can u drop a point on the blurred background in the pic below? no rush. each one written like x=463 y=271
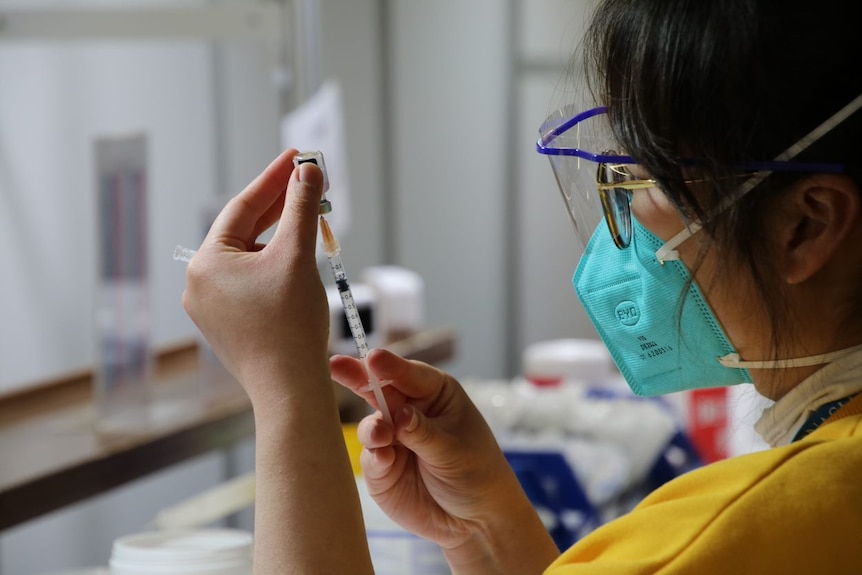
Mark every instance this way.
x=441 y=102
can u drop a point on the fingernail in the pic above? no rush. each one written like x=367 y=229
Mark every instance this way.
x=414 y=418
x=303 y=169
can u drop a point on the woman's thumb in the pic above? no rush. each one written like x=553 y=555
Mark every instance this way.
x=298 y=225
x=417 y=433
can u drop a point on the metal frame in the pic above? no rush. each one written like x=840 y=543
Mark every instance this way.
x=291 y=27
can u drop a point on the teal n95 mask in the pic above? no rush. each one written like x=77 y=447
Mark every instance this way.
x=659 y=343
x=633 y=300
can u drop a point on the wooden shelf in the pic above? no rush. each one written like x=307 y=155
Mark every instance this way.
x=52 y=455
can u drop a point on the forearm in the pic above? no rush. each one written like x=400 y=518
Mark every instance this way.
x=511 y=541
x=307 y=514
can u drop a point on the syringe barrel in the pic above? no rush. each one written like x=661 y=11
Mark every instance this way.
x=354 y=322
x=337 y=266
x=352 y=314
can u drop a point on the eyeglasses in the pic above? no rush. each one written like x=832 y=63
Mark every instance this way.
x=615 y=184
x=567 y=139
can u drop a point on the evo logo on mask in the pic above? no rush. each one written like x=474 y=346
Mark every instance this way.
x=634 y=304
x=627 y=312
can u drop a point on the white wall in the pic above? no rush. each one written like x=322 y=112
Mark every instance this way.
x=55 y=99
x=547 y=34
x=448 y=69
x=478 y=211
x=352 y=44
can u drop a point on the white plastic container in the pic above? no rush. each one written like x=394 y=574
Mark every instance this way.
x=401 y=298
x=187 y=552
x=550 y=363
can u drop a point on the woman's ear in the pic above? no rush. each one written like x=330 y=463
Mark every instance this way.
x=819 y=214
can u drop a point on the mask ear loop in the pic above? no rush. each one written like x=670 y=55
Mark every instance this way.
x=733 y=360
x=668 y=251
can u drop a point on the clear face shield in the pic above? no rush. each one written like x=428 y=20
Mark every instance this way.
x=597 y=181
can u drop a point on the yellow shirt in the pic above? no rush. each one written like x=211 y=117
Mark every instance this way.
x=791 y=509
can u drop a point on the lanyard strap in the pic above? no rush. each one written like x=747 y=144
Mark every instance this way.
x=821 y=415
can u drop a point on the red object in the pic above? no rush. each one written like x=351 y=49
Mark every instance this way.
x=546 y=381
x=708 y=422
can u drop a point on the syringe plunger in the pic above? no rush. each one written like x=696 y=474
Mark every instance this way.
x=182 y=254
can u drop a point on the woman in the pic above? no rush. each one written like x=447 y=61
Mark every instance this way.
x=723 y=220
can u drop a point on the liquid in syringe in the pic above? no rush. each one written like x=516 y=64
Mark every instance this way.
x=333 y=252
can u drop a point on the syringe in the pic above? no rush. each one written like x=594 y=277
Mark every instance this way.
x=333 y=252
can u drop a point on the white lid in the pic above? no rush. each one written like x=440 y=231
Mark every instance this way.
x=579 y=359
x=201 y=551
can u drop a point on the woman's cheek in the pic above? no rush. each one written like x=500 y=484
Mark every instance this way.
x=654 y=212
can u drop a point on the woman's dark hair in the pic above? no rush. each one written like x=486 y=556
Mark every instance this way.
x=728 y=82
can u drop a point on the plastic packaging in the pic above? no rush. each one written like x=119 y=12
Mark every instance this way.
x=185 y=552
x=583 y=446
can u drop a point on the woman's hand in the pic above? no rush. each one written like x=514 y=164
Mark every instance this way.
x=263 y=308
x=438 y=471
